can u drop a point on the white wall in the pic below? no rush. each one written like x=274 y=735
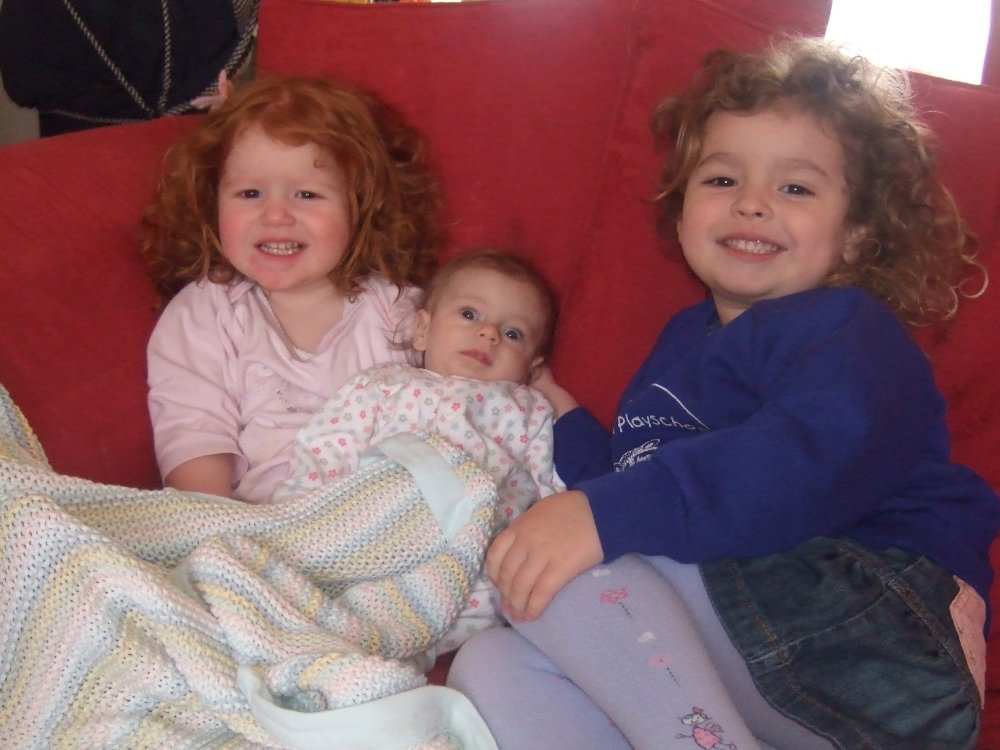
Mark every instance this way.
x=945 y=39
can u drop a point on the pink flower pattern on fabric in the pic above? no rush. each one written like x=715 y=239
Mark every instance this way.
x=616 y=596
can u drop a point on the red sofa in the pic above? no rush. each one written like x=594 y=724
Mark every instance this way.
x=537 y=114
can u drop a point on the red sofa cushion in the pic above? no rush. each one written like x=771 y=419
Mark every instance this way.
x=77 y=307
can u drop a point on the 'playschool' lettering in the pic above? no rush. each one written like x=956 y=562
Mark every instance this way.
x=626 y=421
x=684 y=420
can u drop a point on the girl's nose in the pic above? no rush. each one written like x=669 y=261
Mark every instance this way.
x=276 y=211
x=751 y=204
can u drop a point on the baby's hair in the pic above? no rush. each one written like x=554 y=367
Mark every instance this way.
x=393 y=198
x=916 y=252
x=508 y=265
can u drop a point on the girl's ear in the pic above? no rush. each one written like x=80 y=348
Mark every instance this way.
x=421 y=330
x=853 y=241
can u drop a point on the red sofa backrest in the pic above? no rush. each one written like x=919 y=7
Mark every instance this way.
x=537 y=115
x=537 y=112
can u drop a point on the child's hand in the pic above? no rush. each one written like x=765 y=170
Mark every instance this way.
x=561 y=399
x=223 y=90
x=541 y=551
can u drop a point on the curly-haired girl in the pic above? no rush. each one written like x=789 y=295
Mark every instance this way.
x=288 y=232
x=790 y=558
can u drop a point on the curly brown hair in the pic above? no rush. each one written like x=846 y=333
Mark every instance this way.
x=916 y=252
x=394 y=203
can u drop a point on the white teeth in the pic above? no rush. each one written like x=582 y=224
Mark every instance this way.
x=280 y=248
x=756 y=247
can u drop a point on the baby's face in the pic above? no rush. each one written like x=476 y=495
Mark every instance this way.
x=484 y=325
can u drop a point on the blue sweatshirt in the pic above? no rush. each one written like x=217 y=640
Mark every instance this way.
x=810 y=415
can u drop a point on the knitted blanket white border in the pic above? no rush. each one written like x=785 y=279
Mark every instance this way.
x=128 y=613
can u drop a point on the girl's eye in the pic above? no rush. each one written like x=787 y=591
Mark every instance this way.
x=719 y=181
x=249 y=193
x=307 y=194
x=513 y=334
x=468 y=313
x=794 y=189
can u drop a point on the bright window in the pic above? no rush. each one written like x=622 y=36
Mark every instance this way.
x=945 y=39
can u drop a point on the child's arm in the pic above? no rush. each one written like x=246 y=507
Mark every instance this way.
x=820 y=410
x=212 y=474
x=541 y=551
x=536 y=450
x=562 y=400
x=582 y=446
x=193 y=407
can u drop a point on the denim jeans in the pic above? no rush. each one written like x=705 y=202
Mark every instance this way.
x=855 y=644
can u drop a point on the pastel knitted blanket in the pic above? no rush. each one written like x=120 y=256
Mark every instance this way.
x=126 y=615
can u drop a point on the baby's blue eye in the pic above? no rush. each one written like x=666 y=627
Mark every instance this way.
x=513 y=334
x=794 y=189
x=307 y=194
x=468 y=313
x=249 y=193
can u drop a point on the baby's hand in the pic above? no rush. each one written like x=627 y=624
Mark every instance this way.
x=561 y=399
x=541 y=551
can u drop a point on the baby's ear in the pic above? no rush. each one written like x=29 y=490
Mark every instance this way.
x=420 y=331
x=853 y=241
x=533 y=370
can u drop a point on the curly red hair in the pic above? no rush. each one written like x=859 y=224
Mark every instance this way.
x=394 y=203
x=916 y=252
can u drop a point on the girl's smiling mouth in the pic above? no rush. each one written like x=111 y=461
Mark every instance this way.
x=751 y=246
x=280 y=248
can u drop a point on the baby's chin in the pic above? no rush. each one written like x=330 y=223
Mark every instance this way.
x=483 y=375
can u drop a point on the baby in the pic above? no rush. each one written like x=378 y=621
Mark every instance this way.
x=485 y=323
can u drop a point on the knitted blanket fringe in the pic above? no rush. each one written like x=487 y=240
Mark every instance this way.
x=126 y=613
